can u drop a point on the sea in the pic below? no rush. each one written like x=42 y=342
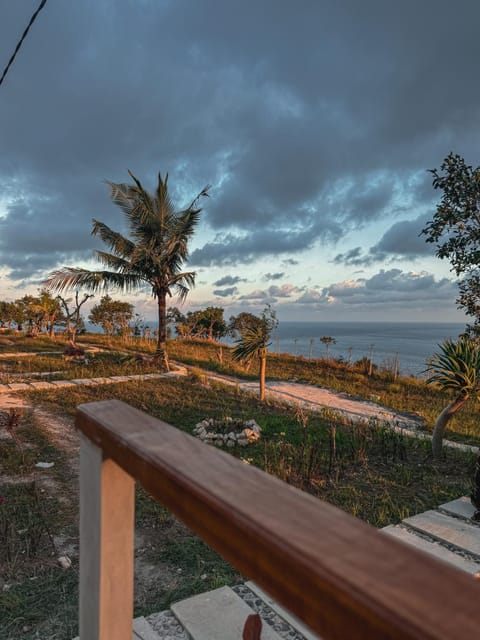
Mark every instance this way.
x=413 y=343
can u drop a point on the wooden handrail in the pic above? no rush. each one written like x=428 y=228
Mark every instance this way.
x=342 y=577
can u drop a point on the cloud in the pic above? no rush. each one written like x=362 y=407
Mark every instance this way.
x=402 y=241
x=272 y=294
x=225 y=293
x=228 y=280
x=308 y=127
x=274 y=276
x=391 y=288
x=232 y=249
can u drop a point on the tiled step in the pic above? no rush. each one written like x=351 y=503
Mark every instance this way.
x=283 y=613
x=462 y=507
x=217 y=615
x=141 y=631
x=451 y=530
x=433 y=548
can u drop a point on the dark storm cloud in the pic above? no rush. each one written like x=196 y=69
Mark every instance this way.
x=308 y=126
x=232 y=249
x=402 y=241
x=228 y=280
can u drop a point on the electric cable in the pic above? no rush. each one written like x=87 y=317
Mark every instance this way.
x=20 y=42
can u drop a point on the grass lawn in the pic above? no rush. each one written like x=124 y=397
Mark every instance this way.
x=375 y=474
x=404 y=394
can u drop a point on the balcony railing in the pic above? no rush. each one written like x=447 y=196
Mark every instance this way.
x=340 y=576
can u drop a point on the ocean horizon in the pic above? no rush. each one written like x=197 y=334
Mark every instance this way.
x=414 y=343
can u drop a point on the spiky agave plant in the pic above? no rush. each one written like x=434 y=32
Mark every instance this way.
x=152 y=254
x=455 y=369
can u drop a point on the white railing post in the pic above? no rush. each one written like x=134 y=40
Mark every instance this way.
x=107 y=506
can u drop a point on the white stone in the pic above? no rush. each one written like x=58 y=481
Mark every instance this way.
x=40 y=385
x=62 y=383
x=18 y=386
x=64 y=562
x=230 y=443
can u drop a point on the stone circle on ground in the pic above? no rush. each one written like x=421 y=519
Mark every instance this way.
x=227 y=431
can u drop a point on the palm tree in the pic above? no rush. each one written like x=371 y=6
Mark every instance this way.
x=153 y=254
x=254 y=342
x=455 y=369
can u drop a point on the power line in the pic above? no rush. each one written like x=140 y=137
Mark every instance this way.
x=20 y=42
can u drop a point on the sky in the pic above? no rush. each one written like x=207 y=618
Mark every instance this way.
x=315 y=123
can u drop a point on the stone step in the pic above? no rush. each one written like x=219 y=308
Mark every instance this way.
x=433 y=548
x=141 y=630
x=217 y=615
x=294 y=622
x=462 y=507
x=451 y=530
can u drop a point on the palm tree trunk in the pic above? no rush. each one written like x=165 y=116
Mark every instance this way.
x=161 y=355
x=263 y=369
x=442 y=421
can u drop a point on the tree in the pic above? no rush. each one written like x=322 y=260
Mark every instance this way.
x=72 y=315
x=254 y=342
x=207 y=324
x=50 y=309
x=327 y=341
x=113 y=316
x=455 y=369
x=455 y=229
x=245 y=320
x=152 y=254
x=7 y=313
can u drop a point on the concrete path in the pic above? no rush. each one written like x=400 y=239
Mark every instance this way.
x=12 y=387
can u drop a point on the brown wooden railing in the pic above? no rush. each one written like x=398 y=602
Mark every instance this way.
x=342 y=577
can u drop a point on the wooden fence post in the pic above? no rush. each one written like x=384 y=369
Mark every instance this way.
x=107 y=506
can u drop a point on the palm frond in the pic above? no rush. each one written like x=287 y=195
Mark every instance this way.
x=250 y=344
x=122 y=195
x=71 y=278
x=115 y=262
x=203 y=194
x=120 y=245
